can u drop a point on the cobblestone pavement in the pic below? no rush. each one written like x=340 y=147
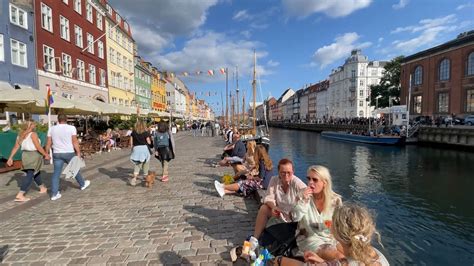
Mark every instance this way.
x=180 y=222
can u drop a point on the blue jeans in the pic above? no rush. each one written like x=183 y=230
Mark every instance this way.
x=59 y=159
x=30 y=175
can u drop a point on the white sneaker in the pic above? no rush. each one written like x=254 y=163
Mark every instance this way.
x=56 y=197
x=219 y=188
x=86 y=184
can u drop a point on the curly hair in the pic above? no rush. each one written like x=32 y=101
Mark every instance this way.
x=354 y=226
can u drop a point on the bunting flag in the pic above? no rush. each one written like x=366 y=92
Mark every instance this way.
x=210 y=72
x=198 y=72
x=185 y=74
x=222 y=70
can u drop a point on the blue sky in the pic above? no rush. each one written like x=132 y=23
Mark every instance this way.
x=297 y=41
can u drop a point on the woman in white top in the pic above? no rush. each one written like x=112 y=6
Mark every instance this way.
x=31 y=158
x=314 y=209
x=353 y=227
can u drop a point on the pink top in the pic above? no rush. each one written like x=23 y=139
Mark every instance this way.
x=284 y=201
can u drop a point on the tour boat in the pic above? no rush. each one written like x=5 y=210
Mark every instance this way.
x=378 y=140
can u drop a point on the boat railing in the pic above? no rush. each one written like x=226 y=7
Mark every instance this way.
x=413 y=129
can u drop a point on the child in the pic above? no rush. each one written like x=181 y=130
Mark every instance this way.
x=353 y=228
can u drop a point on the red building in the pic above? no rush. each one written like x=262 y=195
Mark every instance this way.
x=70 y=48
x=442 y=79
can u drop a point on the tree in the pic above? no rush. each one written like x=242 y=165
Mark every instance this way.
x=389 y=86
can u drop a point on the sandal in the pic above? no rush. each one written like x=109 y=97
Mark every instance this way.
x=22 y=200
x=164 y=178
x=42 y=191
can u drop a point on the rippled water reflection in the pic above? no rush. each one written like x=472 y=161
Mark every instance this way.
x=422 y=196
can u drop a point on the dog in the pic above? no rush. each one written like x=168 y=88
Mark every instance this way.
x=150 y=179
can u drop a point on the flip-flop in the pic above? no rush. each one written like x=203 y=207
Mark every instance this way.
x=22 y=200
x=164 y=179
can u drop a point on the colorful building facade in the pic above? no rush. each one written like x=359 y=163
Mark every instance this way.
x=143 y=79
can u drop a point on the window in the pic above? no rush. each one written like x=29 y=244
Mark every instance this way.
x=361 y=93
x=131 y=66
x=126 y=103
x=417 y=100
x=109 y=9
x=418 y=77
x=89 y=13
x=81 y=71
x=78 y=36
x=67 y=65
x=443 y=102
x=2 y=51
x=99 y=21
x=100 y=48
x=118 y=18
x=470 y=64
x=102 y=77
x=121 y=101
x=92 y=76
x=118 y=35
x=361 y=113
x=78 y=6
x=361 y=72
x=444 y=70
x=90 y=43
x=46 y=18
x=470 y=101
x=18 y=53
x=361 y=103
x=112 y=55
x=18 y=16
x=361 y=83
x=48 y=58
x=112 y=80
x=373 y=72
x=119 y=59
x=64 y=22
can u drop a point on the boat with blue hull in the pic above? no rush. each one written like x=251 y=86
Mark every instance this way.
x=378 y=140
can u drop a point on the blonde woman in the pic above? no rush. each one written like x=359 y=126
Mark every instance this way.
x=31 y=159
x=139 y=141
x=314 y=209
x=353 y=227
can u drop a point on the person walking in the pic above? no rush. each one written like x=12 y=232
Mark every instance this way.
x=164 y=148
x=31 y=159
x=63 y=139
x=140 y=157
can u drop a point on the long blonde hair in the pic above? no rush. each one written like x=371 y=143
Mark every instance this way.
x=354 y=226
x=140 y=126
x=25 y=129
x=324 y=175
x=261 y=154
x=250 y=154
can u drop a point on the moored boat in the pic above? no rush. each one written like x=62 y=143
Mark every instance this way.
x=378 y=140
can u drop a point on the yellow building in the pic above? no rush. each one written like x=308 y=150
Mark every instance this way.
x=158 y=92
x=120 y=59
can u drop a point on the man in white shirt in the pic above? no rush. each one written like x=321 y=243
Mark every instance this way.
x=63 y=139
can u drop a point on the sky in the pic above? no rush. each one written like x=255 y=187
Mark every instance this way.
x=297 y=42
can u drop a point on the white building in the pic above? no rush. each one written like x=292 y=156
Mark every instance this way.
x=322 y=107
x=176 y=97
x=349 y=86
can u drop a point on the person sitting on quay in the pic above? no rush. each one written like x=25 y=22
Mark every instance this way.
x=254 y=179
x=280 y=199
x=314 y=210
x=353 y=228
x=237 y=152
x=31 y=159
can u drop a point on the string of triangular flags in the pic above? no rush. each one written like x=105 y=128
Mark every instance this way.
x=210 y=72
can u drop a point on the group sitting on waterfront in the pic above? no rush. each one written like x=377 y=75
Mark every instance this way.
x=325 y=230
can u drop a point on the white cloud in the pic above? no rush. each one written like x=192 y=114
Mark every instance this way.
x=401 y=4
x=332 y=8
x=272 y=63
x=380 y=39
x=427 y=33
x=340 y=48
x=246 y=33
x=162 y=20
x=241 y=15
x=468 y=5
x=213 y=51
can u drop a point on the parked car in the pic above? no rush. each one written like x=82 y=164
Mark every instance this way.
x=469 y=120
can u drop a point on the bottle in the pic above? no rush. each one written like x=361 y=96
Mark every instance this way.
x=246 y=248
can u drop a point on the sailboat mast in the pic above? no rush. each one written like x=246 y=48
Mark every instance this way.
x=254 y=90
x=237 y=94
x=226 y=97
x=243 y=108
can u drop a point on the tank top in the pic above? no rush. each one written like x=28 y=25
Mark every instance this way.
x=27 y=144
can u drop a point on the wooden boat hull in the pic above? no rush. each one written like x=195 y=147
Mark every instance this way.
x=377 y=140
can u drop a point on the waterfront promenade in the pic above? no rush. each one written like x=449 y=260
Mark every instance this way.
x=179 y=222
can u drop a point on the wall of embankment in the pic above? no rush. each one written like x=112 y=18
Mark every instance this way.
x=451 y=137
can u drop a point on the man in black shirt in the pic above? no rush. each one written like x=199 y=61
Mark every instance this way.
x=237 y=156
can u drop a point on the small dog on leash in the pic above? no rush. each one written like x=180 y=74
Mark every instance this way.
x=150 y=179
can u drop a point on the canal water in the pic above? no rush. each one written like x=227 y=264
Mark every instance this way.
x=422 y=197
